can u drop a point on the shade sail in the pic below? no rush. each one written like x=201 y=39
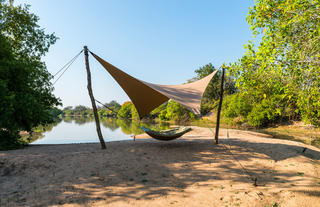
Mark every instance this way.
x=148 y=96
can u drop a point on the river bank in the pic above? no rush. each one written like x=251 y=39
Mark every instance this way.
x=189 y=171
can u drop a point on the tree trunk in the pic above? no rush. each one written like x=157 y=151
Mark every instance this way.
x=94 y=107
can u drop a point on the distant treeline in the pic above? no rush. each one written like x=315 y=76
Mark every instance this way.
x=168 y=111
x=86 y=111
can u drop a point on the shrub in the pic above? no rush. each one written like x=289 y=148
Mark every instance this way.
x=128 y=111
x=236 y=105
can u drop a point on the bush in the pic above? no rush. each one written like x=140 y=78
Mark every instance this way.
x=309 y=107
x=208 y=106
x=258 y=112
x=163 y=115
x=128 y=111
x=236 y=105
x=13 y=141
x=176 y=112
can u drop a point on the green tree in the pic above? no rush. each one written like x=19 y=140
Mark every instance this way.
x=160 y=111
x=55 y=112
x=25 y=89
x=21 y=29
x=67 y=111
x=80 y=110
x=212 y=91
x=176 y=112
x=114 y=106
x=283 y=71
x=128 y=111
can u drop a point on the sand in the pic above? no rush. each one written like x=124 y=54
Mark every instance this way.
x=190 y=171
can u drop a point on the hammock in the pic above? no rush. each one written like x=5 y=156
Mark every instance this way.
x=167 y=135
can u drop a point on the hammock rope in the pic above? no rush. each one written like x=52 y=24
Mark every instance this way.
x=116 y=113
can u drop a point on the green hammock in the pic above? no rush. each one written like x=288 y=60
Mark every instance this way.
x=167 y=135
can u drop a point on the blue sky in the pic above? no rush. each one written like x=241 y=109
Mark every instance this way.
x=156 y=41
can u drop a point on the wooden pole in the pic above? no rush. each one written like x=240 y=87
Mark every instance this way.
x=216 y=141
x=94 y=107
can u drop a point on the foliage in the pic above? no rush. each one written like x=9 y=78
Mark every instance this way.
x=211 y=94
x=280 y=77
x=80 y=110
x=167 y=111
x=86 y=111
x=110 y=123
x=134 y=126
x=128 y=111
x=21 y=29
x=175 y=112
x=159 y=110
x=236 y=105
x=24 y=103
x=25 y=89
x=67 y=111
x=55 y=112
x=113 y=105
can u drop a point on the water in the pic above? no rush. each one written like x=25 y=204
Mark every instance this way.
x=83 y=130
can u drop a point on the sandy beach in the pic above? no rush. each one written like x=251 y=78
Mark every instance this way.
x=190 y=171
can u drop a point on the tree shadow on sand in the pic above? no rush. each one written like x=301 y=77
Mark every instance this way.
x=141 y=170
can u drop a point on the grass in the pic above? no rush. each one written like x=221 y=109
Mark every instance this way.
x=294 y=133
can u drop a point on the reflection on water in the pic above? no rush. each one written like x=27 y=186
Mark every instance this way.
x=83 y=130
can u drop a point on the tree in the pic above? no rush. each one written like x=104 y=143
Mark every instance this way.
x=283 y=71
x=80 y=110
x=25 y=89
x=21 y=29
x=113 y=104
x=175 y=112
x=211 y=93
x=128 y=111
x=69 y=108
x=55 y=112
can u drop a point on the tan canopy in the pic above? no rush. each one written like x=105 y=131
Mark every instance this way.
x=148 y=96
